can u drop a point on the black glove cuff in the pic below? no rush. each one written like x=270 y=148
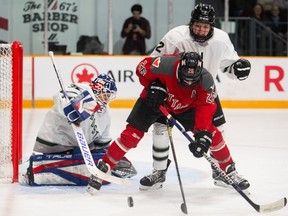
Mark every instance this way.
x=242 y=69
x=203 y=134
x=158 y=88
x=156 y=95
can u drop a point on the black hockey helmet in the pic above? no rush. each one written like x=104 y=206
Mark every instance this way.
x=204 y=13
x=189 y=69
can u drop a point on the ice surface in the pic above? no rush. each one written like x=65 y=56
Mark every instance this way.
x=258 y=143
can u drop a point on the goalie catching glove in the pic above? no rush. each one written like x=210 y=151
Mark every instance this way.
x=81 y=108
x=202 y=143
x=156 y=95
x=242 y=69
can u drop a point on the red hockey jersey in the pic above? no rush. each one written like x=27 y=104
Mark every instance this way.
x=180 y=99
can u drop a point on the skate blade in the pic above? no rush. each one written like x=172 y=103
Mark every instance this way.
x=224 y=185
x=154 y=187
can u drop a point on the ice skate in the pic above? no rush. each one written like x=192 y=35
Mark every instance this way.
x=95 y=183
x=155 y=180
x=124 y=169
x=231 y=172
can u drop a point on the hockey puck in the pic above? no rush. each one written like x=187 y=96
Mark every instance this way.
x=130 y=201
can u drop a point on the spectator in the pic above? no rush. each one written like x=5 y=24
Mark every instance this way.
x=135 y=29
x=275 y=22
x=258 y=12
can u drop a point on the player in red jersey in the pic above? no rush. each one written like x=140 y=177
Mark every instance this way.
x=219 y=57
x=187 y=90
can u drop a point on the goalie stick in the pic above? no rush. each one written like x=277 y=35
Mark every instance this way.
x=83 y=145
x=266 y=208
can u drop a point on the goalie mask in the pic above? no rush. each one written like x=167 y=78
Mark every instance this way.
x=203 y=13
x=189 y=69
x=104 y=89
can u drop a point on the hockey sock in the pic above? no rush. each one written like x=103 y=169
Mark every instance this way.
x=128 y=139
x=160 y=146
x=220 y=151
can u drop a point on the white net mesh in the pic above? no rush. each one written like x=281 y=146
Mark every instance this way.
x=5 y=111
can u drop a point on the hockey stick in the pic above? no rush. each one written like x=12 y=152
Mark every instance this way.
x=83 y=145
x=277 y=205
x=183 y=205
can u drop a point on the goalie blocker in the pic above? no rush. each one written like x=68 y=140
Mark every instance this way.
x=68 y=169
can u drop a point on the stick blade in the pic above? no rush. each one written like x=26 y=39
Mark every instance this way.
x=184 y=208
x=275 y=206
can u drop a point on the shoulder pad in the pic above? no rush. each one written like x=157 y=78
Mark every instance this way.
x=206 y=80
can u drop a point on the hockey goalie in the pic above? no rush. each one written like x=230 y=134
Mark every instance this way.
x=56 y=158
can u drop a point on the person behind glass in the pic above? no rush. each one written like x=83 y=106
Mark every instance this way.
x=276 y=22
x=258 y=12
x=136 y=29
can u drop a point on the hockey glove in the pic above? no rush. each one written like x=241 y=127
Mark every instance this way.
x=202 y=143
x=81 y=108
x=242 y=69
x=156 y=95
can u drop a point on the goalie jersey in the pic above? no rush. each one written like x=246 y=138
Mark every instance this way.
x=56 y=134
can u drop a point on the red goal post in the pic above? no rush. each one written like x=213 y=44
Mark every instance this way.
x=11 y=97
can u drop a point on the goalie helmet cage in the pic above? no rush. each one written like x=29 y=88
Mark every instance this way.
x=11 y=96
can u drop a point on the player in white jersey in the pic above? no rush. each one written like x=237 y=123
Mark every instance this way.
x=219 y=56
x=56 y=145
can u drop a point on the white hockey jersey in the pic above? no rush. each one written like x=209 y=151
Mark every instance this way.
x=218 y=51
x=57 y=130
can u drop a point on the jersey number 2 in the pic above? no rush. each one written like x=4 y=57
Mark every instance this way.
x=159 y=46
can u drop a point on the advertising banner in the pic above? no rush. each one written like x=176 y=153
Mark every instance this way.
x=268 y=80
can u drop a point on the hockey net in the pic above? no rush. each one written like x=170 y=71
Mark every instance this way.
x=11 y=76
